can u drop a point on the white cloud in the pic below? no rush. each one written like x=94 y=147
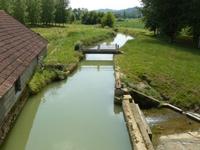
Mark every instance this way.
x=99 y=4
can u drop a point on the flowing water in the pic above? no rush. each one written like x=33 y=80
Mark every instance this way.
x=75 y=114
x=165 y=122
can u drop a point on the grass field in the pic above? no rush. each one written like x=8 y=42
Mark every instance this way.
x=62 y=41
x=61 y=49
x=170 y=72
x=130 y=23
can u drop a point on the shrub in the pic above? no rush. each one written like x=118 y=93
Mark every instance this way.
x=108 y=20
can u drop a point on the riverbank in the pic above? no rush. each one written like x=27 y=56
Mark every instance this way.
x=66 y=101
x=168 y=72
x=61 y=58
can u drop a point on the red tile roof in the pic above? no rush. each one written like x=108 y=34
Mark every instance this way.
x=18 y=47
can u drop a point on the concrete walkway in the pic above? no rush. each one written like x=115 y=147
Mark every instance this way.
x=183 y=141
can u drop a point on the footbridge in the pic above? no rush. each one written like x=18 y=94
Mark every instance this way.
x=102 y=49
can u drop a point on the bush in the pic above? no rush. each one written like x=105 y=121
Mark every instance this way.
x=41 y=79
x=108 y=20
x=78 y=45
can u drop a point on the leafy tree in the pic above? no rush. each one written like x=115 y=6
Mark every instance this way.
x=79 y=13
x=4 y=5
x=108 y=20
x=165 y=15
x=124 y=14
x=72 y=17
x=19 y=10
x=48 y=10
x=150 y=16
x=33 y=11
x=91 y=17
x=193 y=19
x=84 y=19
x=99 y=18
x=60 y=11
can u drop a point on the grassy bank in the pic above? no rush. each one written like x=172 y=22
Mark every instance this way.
x=61 y=51
x=169 y=72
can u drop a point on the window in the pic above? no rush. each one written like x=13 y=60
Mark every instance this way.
x=18 y=85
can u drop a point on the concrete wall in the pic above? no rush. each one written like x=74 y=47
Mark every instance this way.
x=11 y=97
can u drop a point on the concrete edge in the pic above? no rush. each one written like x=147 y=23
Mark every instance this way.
x=133 y=130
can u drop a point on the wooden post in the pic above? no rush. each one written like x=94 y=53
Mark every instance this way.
x=98 y=47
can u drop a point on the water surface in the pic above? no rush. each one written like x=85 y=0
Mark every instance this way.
x=168 y=122
x=75 y=114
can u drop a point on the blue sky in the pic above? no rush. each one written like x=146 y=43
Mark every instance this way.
x=99 y=4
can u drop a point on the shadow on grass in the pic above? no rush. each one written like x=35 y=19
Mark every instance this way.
x=47 y=26
x=181 y=44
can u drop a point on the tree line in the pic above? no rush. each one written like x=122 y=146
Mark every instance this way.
x=169 y=17
x=53 y=11
x=36 y=11
x=93 y=17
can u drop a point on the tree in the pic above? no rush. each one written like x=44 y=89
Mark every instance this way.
x=165 y=15
x=72 y=17
x=193 y=20
x=60 y=11
x=48 y=9
x=33 y=11
x=79 y=13
x=124 y=15
x=4 y=5
x=19 y=8
x=91 y=17
x=108 y=20
x=150 y=17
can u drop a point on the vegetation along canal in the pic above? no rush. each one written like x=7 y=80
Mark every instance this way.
x=75 y=114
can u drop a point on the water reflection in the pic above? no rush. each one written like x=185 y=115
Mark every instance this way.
x=117 y=110
x=77 y=113
x=103 y=57
x=120 y=40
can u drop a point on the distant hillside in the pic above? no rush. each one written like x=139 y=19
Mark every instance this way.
x=124 y=13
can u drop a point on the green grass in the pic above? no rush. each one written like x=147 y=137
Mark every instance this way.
x=62 y=41
x=130 y=23
x=172 y=70
x=61 y=50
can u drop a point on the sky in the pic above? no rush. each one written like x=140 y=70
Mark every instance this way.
x=102 y=4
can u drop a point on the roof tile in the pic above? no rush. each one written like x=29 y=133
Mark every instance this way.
x=18 y=47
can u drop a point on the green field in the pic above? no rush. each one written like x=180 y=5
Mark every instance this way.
x=62 y=41
x=169 y=72
x=130 y=23
x=61 y=49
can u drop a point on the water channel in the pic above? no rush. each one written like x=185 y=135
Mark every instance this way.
x=75 y=114
x=79 y=113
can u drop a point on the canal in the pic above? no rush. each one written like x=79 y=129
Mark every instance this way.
x=75 y=114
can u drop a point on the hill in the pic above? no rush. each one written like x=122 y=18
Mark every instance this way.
x=124 y=13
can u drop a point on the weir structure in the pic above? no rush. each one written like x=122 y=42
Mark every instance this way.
x=139 y=132
x=102 y=49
